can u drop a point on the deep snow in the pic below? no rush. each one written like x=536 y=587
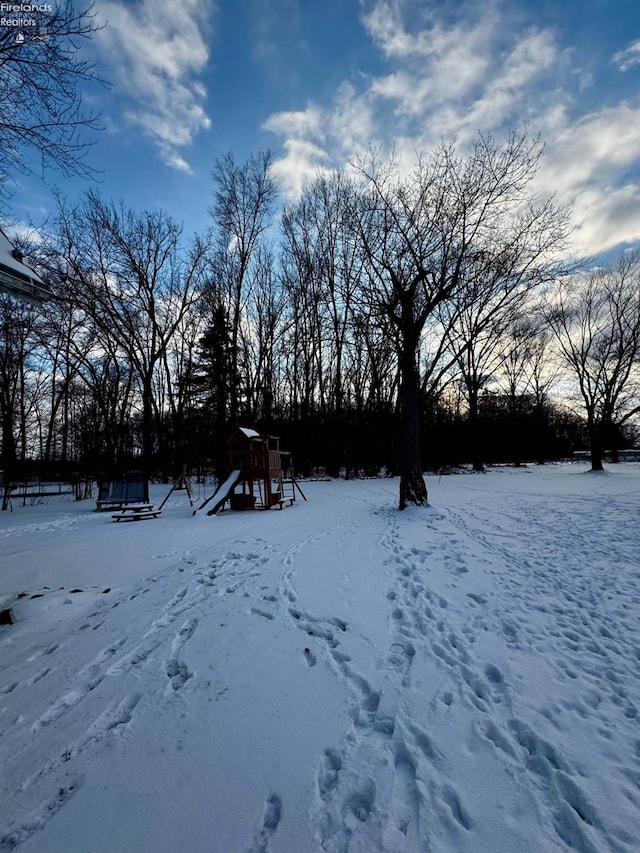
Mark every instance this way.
x=337 y=676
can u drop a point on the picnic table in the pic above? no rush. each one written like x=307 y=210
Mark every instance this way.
x=136 y=513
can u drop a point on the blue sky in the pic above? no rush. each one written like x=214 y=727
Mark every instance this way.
x=316 y=81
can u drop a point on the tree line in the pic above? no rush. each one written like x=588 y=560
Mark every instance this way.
x=387 y=319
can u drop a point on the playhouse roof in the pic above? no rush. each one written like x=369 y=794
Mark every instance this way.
x=250 y=433
x=246 y=435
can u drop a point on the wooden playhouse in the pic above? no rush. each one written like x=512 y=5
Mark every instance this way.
x=261 y=474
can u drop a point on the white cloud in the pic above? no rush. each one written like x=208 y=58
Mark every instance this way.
x=472 y=77
x=385 y=25
x=302 y=162
x=629 y=57
x=351 y=122
x=437 y=63
x=445 y=79
x=21 y=231
x=481 y=71
x=594 y=149
x=606 y=217
x=156 y=49
x=507 y=91
x=296 y=122
x=178 y=162
x=588 y=164
x=303 y=134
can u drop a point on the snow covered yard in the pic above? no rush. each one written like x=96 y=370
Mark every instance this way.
x=337 y=676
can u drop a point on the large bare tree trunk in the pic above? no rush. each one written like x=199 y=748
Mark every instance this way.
x=596 y=447
x=473 y=419
x=412 y=486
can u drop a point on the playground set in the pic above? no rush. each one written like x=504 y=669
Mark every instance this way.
x=261 y=478
x=261 y=475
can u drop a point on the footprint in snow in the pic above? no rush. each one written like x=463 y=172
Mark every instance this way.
x=40 y=674
x=358 y=806
x=328 y=772
x=270 y=821
x=493 y=674
x=49 y=650
x=404 y=797
x=458 y=812
x=40 y=816
x=177 y=673
x=400 y=659
x=264 y=613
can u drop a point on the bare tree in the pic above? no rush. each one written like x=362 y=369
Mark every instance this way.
x=529 y=371
x=244 y=197
x=596 y=322
x=135 y=285
x=266 y=323
x=324 y=269
x=42 y=68
x=17 y=324
x=431 y=238
x=304 y=340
